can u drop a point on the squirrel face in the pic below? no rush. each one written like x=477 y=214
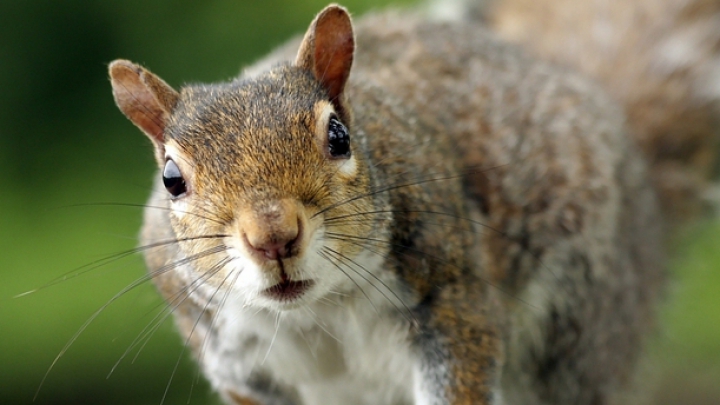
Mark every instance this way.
x=253 y=167
x=262 y=160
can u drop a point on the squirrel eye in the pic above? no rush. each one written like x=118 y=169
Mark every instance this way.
x=338 y=139
x=173 y=179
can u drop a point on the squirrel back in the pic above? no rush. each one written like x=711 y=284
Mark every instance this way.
x=547 y=160
x=659 y=58
x=402 y=211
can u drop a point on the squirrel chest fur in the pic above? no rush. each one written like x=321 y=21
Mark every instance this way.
x=423 y=216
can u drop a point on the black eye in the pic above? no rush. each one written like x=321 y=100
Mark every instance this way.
x=173 y=179
x=338 y=139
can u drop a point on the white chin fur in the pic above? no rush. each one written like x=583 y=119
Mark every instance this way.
x=339 y=343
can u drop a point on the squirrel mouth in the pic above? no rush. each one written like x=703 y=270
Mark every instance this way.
x=287 y=290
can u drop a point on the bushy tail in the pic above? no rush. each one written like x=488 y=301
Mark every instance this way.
x=660 y=58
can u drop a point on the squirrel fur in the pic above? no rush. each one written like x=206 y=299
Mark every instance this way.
x=490 y=235
x=660 y=59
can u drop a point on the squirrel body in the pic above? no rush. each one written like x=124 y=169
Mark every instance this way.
x=427 y=215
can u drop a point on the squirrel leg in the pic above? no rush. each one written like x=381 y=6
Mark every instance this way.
x=461 y=348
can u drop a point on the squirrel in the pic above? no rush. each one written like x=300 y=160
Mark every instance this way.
x=399 y=210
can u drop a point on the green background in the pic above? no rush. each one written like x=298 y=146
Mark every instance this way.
x=64 y=148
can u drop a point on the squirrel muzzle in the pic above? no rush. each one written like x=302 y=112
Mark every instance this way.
x=272 y=230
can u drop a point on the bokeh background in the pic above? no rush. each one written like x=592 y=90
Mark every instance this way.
x=65 y=150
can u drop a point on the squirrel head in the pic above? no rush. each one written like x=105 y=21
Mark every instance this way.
x=253 y=167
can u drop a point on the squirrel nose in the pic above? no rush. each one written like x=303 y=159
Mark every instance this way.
x=273 y=230
x=276 y=246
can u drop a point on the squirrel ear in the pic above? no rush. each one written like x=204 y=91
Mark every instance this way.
x=327 y=51
x=143 y=97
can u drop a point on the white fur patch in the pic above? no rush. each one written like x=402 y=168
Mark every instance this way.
x=348 y=167
x=346 y=343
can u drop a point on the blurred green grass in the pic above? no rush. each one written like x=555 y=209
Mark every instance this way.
x=64 y=145
x=687 y=350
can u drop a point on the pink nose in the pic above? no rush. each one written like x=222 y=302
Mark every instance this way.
x=273 y=230
x=277 y=245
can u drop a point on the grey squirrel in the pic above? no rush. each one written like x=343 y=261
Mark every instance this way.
x=401 y=211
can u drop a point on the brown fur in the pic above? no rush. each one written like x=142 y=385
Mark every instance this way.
x=657 y=57
x=505 y=195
